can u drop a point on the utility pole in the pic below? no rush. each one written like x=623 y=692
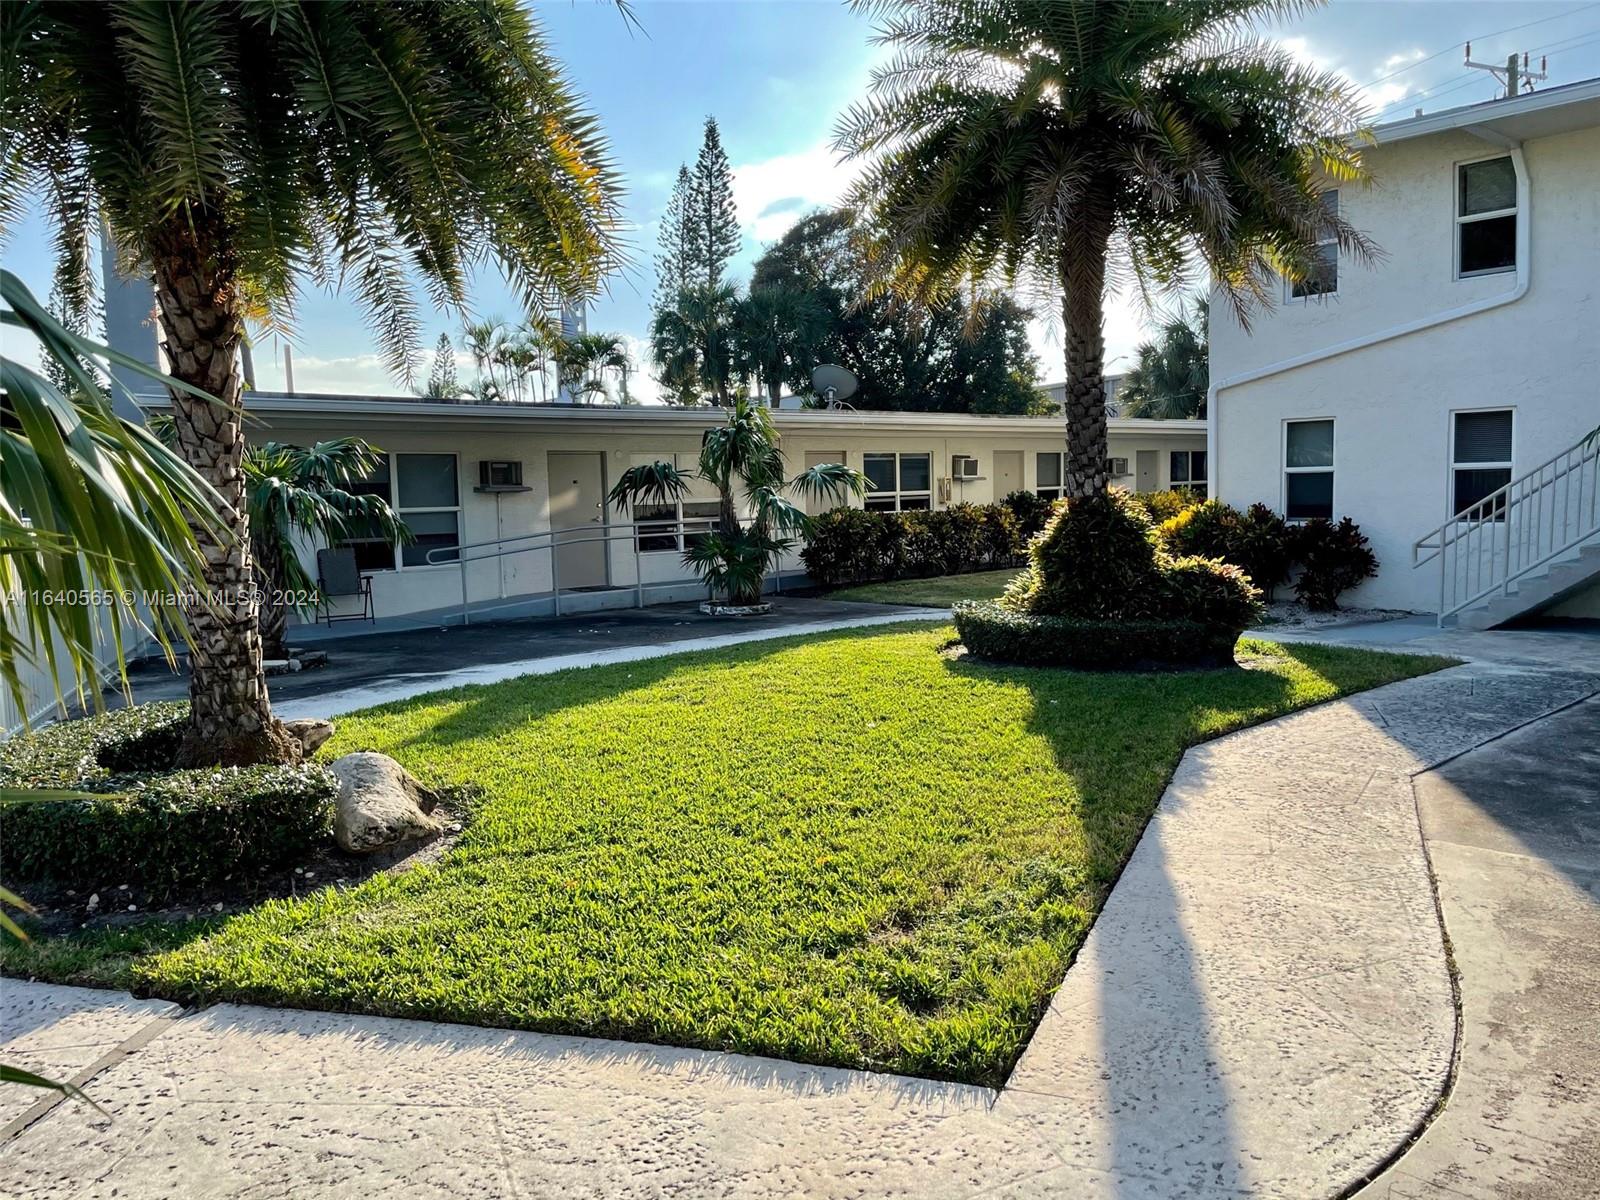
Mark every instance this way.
x=1517 y=77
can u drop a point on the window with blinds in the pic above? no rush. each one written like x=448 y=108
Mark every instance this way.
x=1480 y=458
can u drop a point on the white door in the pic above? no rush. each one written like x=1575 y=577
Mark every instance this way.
x=1007 y=473
x=577 y=505
x=1148 y=465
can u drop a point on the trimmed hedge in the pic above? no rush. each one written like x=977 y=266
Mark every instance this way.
x=851 y=545
x=172 y=832
x=1032 y=640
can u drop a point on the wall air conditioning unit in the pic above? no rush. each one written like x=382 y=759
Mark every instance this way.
x=500 y=475
x=1116 y=467
x=963 y=467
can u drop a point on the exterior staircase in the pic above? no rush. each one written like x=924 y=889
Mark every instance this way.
x=1522 y=548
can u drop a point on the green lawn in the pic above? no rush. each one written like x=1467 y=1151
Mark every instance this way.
x=846 y=849
x=939 y=592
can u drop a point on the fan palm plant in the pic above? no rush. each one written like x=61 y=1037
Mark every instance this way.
x=776 y=332
x=1068 y=143
x=297 y=493
x=741 y=457
x=693 y=343
x=231 y=147
x=1170 y=380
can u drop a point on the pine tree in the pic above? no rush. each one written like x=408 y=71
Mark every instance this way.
x=442 y=382
x=716 y=226
x=675 y=264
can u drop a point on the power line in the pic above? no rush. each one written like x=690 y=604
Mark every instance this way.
x=1480 y=38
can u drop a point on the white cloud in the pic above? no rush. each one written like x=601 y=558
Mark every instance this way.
x=1376 y=97
x=773 y=193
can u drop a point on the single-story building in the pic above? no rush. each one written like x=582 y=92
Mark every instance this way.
x=507 y=501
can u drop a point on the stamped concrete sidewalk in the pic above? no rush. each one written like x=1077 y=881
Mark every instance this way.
x=1262 y=1008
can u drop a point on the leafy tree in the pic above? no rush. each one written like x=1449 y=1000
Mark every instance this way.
x=1170 y=380
x=230 y=147
x=941 y=358
x=442 y=381
x=714 y=224
x=741 y=459
x=1052 y=141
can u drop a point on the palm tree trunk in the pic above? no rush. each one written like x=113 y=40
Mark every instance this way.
x=1083 y=285
x=231 y=721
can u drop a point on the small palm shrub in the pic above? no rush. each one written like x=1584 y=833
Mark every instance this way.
x=1334 y=556
x=1101 y=592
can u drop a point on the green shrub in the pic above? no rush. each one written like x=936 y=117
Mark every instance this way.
x=1031 y=511
x=171 y=832
x=1334 y=557
x=1163 y=506
x=1095 y=558
x=1213 y=593
x=1258 y=541
x=850 y=545
x=1035 y=640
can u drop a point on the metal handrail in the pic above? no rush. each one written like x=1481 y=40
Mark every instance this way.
x=588 y=533
x=1516 y=529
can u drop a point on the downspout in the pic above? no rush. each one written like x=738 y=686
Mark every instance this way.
x=1499 y=300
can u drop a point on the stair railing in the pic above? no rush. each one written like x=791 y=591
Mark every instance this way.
x=1516 y=529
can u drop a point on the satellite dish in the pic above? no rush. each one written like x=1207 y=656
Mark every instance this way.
x=833 y=383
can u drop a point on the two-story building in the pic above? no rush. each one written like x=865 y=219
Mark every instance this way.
x=1441 y=397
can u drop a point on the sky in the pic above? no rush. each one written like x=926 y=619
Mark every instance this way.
x=777 y=73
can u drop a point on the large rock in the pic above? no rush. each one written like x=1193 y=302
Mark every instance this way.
x=310 y=732
x=380 y=804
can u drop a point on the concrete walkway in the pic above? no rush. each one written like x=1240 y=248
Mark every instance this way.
x=1514 y=832
x=1263 y=1008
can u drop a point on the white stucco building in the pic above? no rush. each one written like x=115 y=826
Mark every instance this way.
x=487 y=483
x=1456 y=376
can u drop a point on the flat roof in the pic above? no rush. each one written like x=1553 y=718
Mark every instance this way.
x=321 y=407
x=1534 y=114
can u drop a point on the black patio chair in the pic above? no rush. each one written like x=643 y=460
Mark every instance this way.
x=338 y=577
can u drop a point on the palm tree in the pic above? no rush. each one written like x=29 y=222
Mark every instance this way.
x=231 y=147
x=1169 y=381
x=776 y=332
x=93 y=506
x=693 y=343
x=297 y=493
x=740 y=457
x=583 y=360
x=1056 y=142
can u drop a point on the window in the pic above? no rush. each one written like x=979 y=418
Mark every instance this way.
x=1189 y=471
x=373 y=553
x=428 y=502
x=430 y=505
x=657 y=524
x=898 y=482
x=658 y=527
x=1323 y=277
x=1486 y=217
x=1308 y=470
x=1050 y=475
x=1480 y=458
